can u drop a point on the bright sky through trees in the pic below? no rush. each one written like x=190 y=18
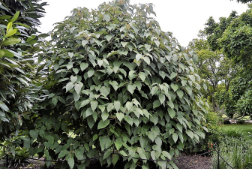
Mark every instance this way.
x=184 y=18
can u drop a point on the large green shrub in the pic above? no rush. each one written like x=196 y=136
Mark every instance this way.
x=118 y=84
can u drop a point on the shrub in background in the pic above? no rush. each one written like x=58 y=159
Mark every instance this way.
x=240 y=122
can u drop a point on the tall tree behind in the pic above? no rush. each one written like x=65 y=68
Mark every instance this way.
x=213 y=67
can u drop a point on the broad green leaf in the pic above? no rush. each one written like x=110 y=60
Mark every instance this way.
x=117 y=105
x=10 y=41
x=73 y=78
x=141 y=153
x=174 y=87
x=115 y=158
x=63 y=153
x=34 y=134
x=94 y=104
x=69 y=86
x=104 y=116
x=84 y=42
x=138 y=56
x=120 y=116
x=90 y=73
x=189 y=133
x=106 y=17
x=107 y=154
x=147 y=60
x=171 y=112
x=118 y=143
x=78 y=87
x=114 y=84
x=157 y=43
x=128 y=119
x=175 y=137
x=11 y=32
x=55 y=101
x=102 y=124
x=109 y=37
x=110 y=107
x=1 y=53
x=180 y=93
x=124 y=44
x=161 y=98
x=70 y=162
x=131 y=88
x=14 y=18
x=83 y=66
x=142 y=76
x=79 y=153
x=129 y=105
x=192 y=77
x=147 y=47
x=173 y=74
x=156 y=104
x=166 y=154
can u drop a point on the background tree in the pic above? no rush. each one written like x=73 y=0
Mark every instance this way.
x=232 y=35
x=213 y=67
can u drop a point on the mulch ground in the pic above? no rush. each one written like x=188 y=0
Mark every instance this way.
x=193 y=162
x=183 y=162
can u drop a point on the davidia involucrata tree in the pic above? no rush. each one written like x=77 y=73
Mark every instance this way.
x=118 y=84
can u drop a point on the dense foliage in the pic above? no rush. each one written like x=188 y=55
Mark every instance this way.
x=17 y=68
x=232 y=35
x=120 y=88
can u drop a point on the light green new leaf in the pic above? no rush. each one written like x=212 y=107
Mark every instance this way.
x=84 y=42
x=174 y=87
x=147 y=47
x=117 y=105
x=173 y=74
x=14 y=18
x=90 y=73
x=180 y=93
x=10 y=41
x=114 y=84
x=69 y=86
x=161 y=98
x=109 y=37
x=146 y=59
x=78 y=87
x=189 y=133
x=138 y=57
x=94 y=104
x=131 y=88
x=1 y=53
x=102 y=124
x=83 y=66
x=11 y=32
x=120 y=116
